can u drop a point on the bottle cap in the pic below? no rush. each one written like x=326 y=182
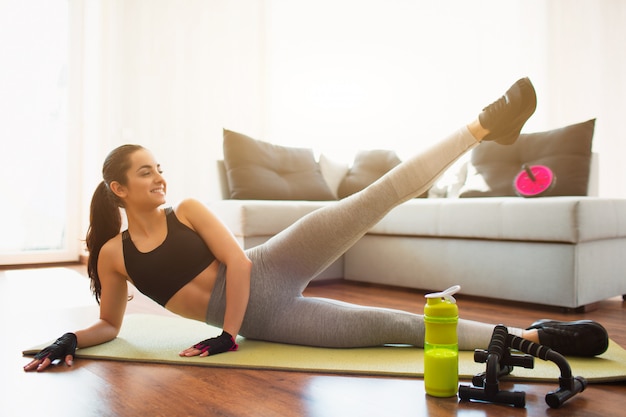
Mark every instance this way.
x=447 y=295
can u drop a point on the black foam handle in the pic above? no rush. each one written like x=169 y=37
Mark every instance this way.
x=541 y=352
x=524 y=345
x=498 y=343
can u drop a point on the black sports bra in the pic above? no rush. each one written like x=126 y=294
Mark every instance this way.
x=160 y=273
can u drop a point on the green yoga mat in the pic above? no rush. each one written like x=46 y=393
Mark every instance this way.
x=158 y=339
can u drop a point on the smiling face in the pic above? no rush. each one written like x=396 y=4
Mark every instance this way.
x=145 y=186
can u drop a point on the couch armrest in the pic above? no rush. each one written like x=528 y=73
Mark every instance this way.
x=223 y=179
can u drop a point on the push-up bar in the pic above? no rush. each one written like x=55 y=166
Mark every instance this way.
x=500 y=362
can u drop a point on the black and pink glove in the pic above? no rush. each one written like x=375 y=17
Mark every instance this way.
x=63 y=346
x=220 y=344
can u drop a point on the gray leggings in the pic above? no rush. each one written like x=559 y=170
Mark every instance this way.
x=283 y=266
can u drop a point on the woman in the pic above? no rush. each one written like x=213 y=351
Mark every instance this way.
x=186 y=260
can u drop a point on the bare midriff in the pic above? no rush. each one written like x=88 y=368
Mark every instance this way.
x=191 y=301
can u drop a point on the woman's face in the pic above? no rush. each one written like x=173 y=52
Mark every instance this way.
x=145 y=185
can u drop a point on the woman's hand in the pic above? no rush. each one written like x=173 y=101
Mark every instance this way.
x=220 y=344
x=63 y=349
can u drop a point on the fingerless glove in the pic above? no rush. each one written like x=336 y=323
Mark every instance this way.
x=63 y=346
x=222 y=343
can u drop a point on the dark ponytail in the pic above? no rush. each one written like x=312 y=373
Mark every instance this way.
x=105 y=220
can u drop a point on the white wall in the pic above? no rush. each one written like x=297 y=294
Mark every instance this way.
x=393 y=74
x=587 y=73
x=170 y=76
x=397 y=74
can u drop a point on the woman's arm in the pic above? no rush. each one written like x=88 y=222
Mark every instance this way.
x=227 y=251
x=113 y=298
x=112 y=307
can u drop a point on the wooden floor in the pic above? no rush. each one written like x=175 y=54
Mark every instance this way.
x=35 y=305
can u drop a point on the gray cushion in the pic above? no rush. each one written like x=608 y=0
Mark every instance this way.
x=258 y=170
x=567 y=151
x=368 y=166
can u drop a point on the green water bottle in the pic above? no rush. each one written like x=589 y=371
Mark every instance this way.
x=441 y=347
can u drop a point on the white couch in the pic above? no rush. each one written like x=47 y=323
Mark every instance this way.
x=568 y=252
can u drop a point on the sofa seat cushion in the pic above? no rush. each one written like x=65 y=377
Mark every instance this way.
x=548 y=219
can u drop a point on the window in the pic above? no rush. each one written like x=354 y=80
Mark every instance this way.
x=38 y=219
